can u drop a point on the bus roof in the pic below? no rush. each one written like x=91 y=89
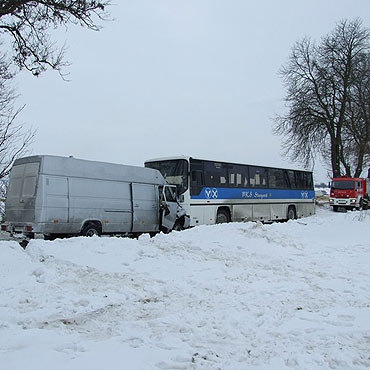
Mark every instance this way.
x=187 y=158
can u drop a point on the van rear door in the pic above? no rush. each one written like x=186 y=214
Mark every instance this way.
x=21 y=196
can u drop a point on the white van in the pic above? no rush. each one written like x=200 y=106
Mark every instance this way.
x=52 y=196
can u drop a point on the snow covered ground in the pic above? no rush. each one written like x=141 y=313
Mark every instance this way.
x=292 y=295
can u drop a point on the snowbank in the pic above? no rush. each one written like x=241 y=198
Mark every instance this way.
x=240 y=296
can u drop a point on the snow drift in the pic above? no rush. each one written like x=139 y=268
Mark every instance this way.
x=239 y=296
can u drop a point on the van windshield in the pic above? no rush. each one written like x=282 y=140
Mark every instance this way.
x=343 y=185
x=174 y=171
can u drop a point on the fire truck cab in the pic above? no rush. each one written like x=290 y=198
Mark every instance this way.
x=349 y=193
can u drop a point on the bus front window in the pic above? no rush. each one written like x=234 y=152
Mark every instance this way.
x=174 y=171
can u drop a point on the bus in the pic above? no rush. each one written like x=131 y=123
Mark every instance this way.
x=219 y=192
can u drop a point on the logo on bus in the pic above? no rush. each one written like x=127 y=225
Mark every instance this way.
x=304 y=194
x=211 y=193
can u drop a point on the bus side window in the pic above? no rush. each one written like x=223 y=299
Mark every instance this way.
x=291 y=178
x=197 y=182
x=286 y=179
x=197 y=178
x=257 y=176
x=300 y=180
x=277 y=178
x=232 y=179
x=215 y=174
x=309 y=180
x=238 y=176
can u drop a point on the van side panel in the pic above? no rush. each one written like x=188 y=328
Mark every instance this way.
x=57 y=195
x=56 y=200
x=108 y=202
x=146 y=207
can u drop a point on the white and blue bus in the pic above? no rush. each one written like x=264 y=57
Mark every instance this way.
x=217 y=192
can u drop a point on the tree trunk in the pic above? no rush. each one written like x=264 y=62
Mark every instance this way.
x=335 y=161
x=360 y=163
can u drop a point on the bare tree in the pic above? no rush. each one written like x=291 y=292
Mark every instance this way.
x=3 y=191
x=13 y=138
x=321 y=82
x=356 y=133
x=27 y=23
x=24 y=29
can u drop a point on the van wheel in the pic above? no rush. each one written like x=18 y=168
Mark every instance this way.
x=222 y=216
x=23 y=244
x=91 y=230
x=291 y=213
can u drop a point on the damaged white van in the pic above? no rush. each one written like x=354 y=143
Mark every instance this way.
x=51 y=196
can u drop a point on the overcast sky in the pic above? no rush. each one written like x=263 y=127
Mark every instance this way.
x=171 y=77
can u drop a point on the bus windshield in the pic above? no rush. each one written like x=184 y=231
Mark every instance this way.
x=343 y=185
x=174 y=171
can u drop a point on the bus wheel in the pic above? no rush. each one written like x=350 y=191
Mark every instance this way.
x=291 y=213
x=91 y=229
x=223 y=216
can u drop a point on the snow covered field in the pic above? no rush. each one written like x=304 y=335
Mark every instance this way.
x=292 y=295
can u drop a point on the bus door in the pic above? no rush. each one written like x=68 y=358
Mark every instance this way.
x=168 y=206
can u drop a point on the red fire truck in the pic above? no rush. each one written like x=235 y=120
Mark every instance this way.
x=349 y=193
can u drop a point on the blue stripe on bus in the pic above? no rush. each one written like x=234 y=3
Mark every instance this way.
x=248 y=193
